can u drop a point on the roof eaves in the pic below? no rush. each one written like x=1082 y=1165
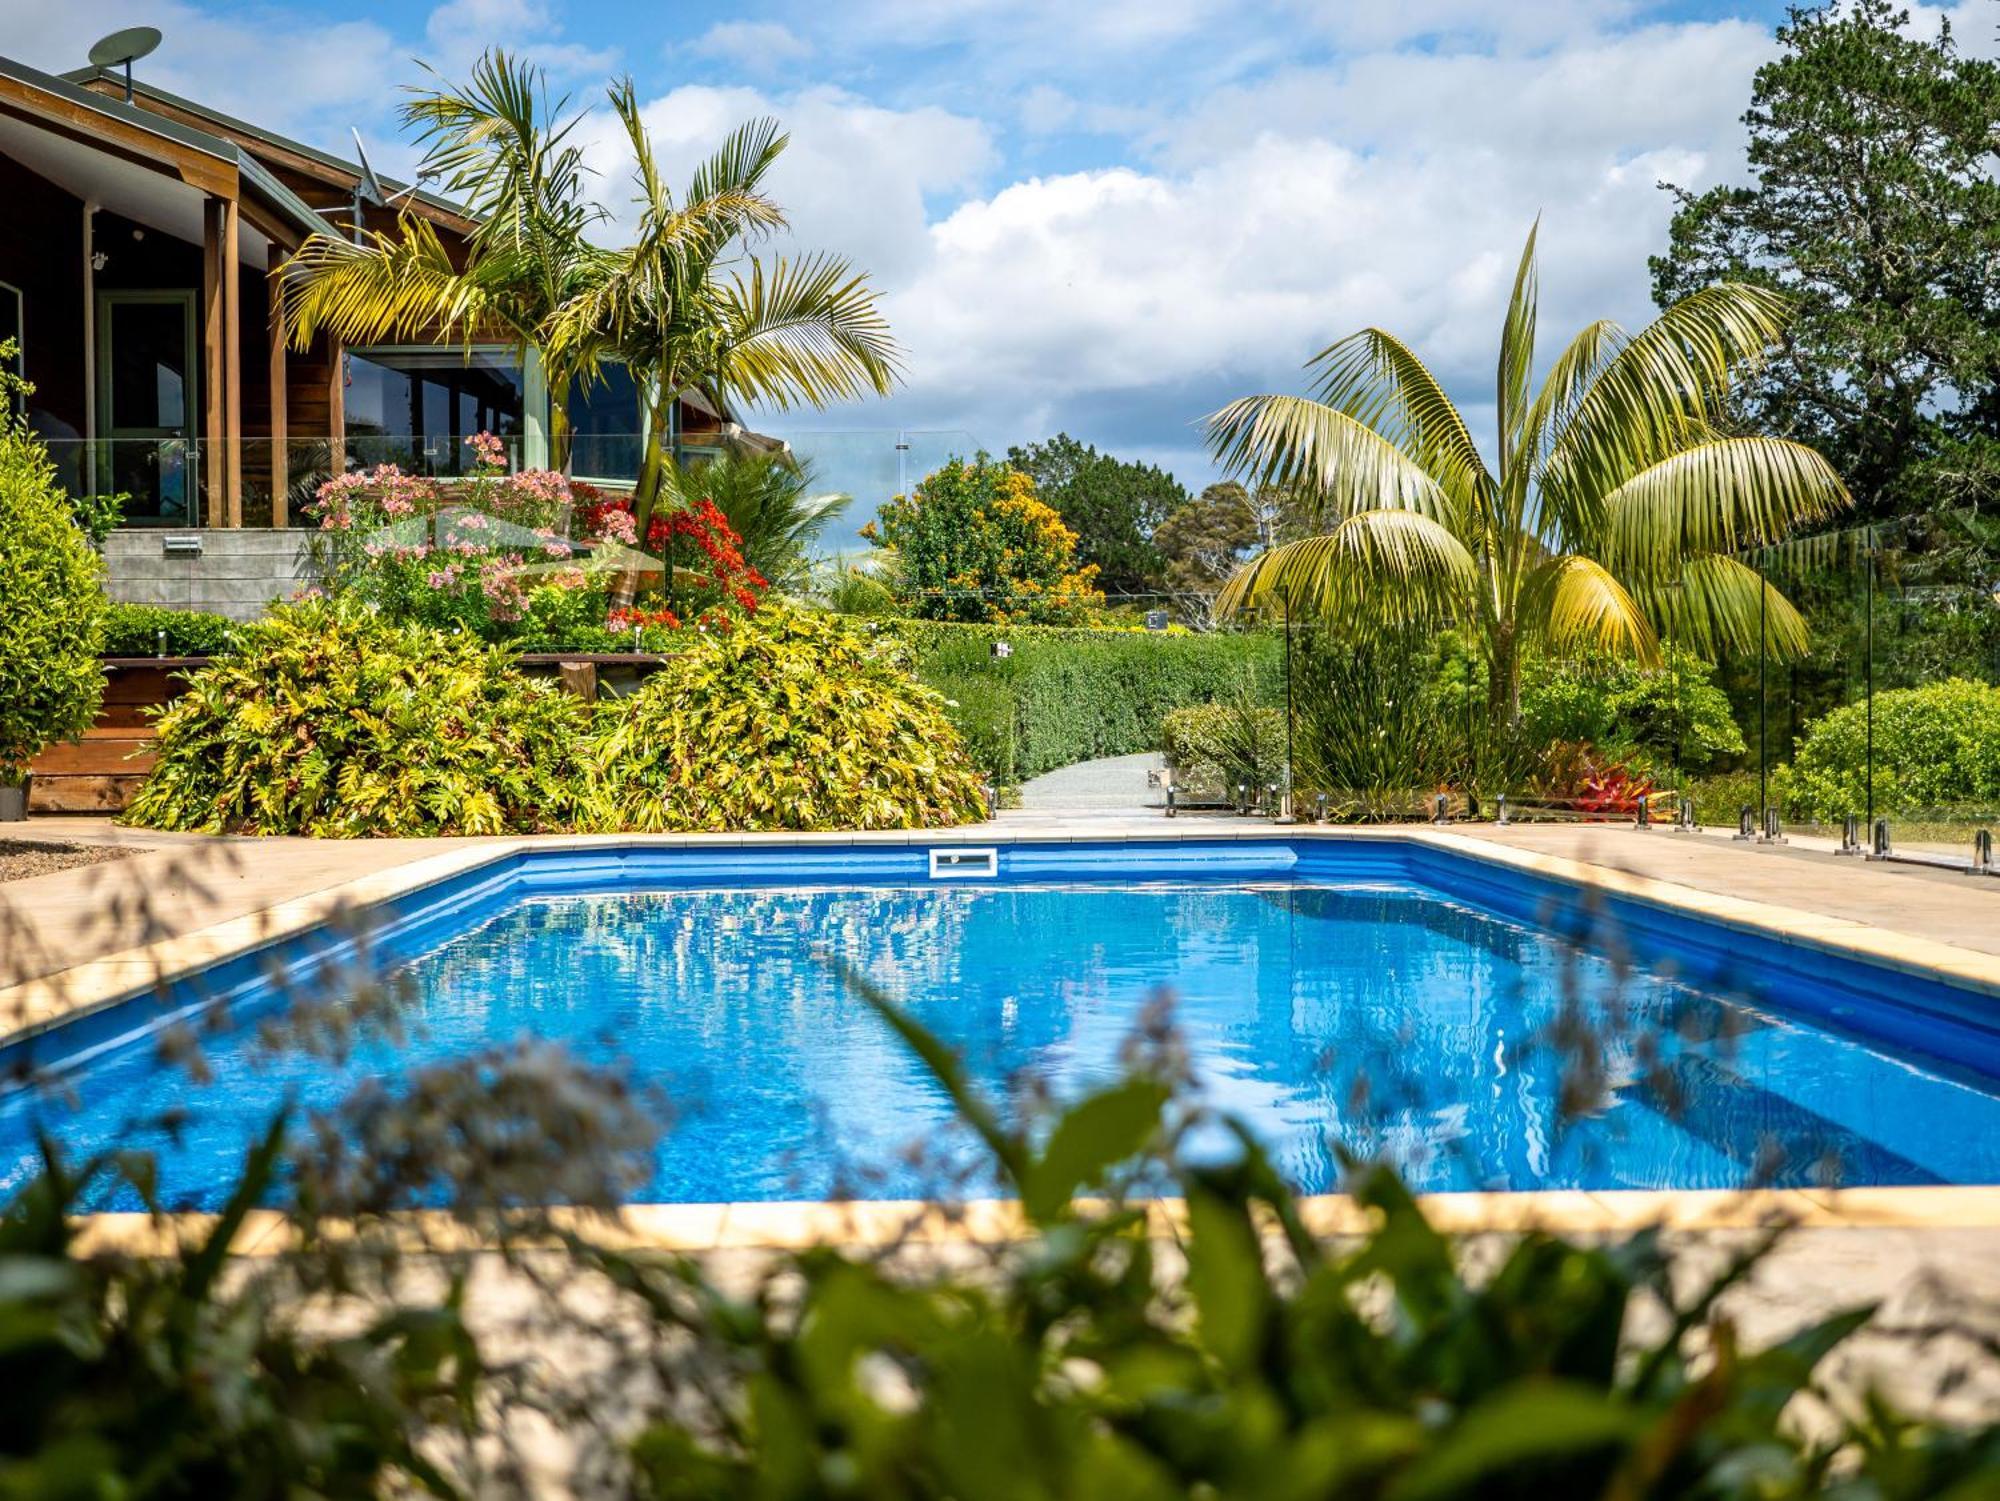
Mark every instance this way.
x=117 y=109
x=270 y=137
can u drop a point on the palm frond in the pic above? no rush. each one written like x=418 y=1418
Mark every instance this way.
x=1658 y=394
x=1581 y=605
x=805 y=330
x=1717 y=497
x=738 y=165
x=1713 y=607
x=1376 y=379
x=1391 y=566
x=1516 y=370
x=1340 y=461
x=401 y=286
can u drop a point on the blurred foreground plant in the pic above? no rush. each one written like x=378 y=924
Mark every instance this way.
x=1113 y=1349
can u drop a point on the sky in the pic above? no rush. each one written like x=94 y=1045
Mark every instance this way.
x=1104 y=218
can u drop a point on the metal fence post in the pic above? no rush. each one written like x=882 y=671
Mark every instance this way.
x=1746 y=823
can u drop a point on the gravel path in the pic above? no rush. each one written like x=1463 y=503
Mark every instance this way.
x=22 y=858
x=1116 y=784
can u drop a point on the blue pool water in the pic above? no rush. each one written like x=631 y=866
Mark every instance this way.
x=1374 y=1012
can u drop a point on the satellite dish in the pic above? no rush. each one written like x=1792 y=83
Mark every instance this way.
x=123 y=48
x=367 y=187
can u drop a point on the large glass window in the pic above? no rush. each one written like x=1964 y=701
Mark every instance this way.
x=416 y=407
x=606 y=425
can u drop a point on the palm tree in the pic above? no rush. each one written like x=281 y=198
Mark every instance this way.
x=1614 y=514
x=501 y=148
x=687 y=307
x=770 y=501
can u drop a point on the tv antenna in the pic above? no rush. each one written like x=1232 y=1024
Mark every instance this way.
x=123 y=48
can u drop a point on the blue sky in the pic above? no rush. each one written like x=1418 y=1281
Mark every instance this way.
x=1103 y=218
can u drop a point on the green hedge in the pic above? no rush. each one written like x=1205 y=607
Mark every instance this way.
x=1937 y=748
x=1070 y=694
x=134 y=631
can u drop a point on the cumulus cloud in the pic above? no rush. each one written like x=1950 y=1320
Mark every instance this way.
x=758 y=47
x=857 y=177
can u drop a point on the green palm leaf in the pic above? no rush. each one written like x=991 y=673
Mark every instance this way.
x=1717 y=497
x=1388 y=564
x=1346 y=465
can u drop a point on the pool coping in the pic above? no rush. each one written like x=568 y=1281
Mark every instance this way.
x=96 y=984
x=886 y=1224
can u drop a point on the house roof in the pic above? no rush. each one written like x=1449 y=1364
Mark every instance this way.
x=249 y=170
x=346 y=172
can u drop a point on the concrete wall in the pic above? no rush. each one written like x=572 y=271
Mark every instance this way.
x=238 y=573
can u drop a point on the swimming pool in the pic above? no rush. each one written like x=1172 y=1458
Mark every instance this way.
x=1372 y=994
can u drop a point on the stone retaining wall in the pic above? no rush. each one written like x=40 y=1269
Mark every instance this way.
x=238 y=572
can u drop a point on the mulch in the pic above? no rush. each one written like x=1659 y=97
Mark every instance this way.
x=22 y=858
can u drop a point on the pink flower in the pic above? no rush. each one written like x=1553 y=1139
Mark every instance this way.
x=488 y=452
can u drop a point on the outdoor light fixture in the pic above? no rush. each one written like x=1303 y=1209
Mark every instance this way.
x=181 y=545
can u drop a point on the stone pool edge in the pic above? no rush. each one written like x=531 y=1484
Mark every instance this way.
x=887 y=1224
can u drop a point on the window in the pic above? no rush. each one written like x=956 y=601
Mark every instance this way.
x=416 y=407
x=607 y=426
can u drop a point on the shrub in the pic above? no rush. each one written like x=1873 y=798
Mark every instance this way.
x=134 y=631
x=1936 y=747
x=973 y=542
x=1378 y=726
x=1673 y=714
x=457 y=553
x=327 y=719
x=51 y=607
x=1069 y=695
x=787 y=721
x=1223 y=745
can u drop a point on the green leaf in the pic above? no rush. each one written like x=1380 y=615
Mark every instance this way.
x=1518 y=1428
x=1092 y=1136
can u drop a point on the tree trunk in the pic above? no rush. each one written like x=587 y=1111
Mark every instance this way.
x=646 y=493
x=1503 y=683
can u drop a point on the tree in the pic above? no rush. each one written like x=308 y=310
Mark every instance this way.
x=501 y=147
x=973 y=542
x=687 y=307
x=1616 y=508
x=1111 y=504
x=1874 y=208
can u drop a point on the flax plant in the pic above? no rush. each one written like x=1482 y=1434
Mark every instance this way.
x=1618 y=512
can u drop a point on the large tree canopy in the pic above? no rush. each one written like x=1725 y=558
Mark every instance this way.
x=1111 y=504
x=1873 y=206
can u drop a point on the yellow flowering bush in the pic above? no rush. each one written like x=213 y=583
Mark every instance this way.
x=974 y=542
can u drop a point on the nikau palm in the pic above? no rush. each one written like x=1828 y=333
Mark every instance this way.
x=1615 y=514
x=501 y=147
x=686 y=307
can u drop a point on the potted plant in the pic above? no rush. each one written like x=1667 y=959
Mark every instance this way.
x=51 y=605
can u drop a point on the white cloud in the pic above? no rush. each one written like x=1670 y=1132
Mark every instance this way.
x=1394 y=190
x=855 y=178
x=759 y=47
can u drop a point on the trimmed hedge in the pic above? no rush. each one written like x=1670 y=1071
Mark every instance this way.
x=1070 y=694
x=1216 y=746
x=134 y=631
